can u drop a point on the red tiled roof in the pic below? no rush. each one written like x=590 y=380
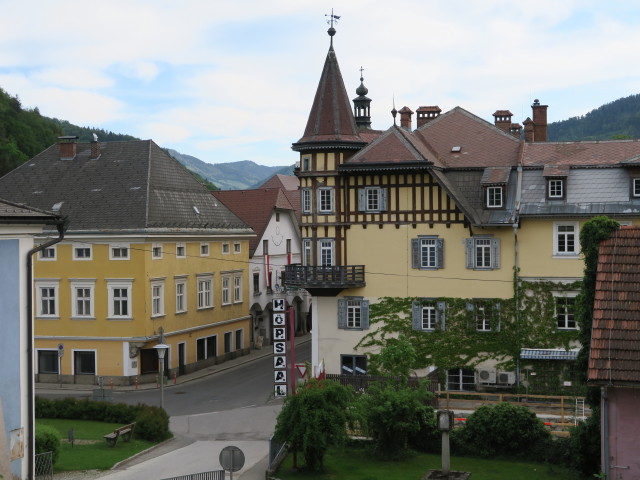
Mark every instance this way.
x=254 y=207
x=393 y=146
x=287 y=182
x=581 y=153
x=615 y=338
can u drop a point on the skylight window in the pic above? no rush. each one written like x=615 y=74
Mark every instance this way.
x=56 y=207
x=195 y=209
x=456 y=149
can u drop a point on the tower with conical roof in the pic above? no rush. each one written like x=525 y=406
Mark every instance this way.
x=362 y=105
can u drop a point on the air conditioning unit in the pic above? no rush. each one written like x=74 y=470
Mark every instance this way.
x=486 y=376
x=507 y=378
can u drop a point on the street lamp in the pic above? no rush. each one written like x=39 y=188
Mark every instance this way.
x=445 y=425
x=161 y=348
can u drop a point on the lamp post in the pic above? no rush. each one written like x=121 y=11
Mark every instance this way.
x=445 y=425
x=161 y=348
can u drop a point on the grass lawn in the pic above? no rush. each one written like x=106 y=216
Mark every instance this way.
x=352 y=463
x=90 y=450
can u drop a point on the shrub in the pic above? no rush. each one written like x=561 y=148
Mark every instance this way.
x=152 y=423
x=503 y=429
x=47 y=440
x=428 y=438
x=392 y=413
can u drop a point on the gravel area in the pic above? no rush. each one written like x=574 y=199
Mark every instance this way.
x=81 y=474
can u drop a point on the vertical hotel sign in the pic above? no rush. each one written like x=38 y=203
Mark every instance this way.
x=279 y=347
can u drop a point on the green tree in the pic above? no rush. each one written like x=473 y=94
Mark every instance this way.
x=396 y=359
x=314 y=419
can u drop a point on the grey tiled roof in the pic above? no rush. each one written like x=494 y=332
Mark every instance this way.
x=131 y=187
x=12 y=213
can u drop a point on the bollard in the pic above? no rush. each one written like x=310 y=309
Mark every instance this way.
x=136 y=382
x=175 y=378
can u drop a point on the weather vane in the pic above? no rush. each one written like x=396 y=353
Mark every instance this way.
x=332 y=18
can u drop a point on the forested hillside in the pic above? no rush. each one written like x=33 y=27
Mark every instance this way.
x=618 y=119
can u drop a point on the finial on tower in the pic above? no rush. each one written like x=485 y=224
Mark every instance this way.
x=394 y=112
x=332 y=19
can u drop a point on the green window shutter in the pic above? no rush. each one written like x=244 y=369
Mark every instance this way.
x=440 y=253
x=342 y=313
x=383 y=200
x=416 y=315
x=415 y=253
x=470 y=253
x=364 y=314
x=495 y=253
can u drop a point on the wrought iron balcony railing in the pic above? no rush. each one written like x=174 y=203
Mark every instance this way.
x=330 y=278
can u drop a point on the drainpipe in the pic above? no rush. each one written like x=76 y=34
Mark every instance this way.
x=604 y=422
x=31 y=430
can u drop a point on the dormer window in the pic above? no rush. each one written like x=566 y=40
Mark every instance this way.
x=494 y=197
x=556 y=177
x=494 y=182
x=555 y=188
x=635 y=187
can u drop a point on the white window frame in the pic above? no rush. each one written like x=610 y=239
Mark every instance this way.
x=157 y=298
x=431 y=317
x=353 y=313
x=495 y=196
x=237 y=288
x=156 y=251
x=237 y=248
x=119 y=251
x=205 y=291
x=83 y=284
x=73 y=361
x=181 y=250
x=226 y=248
x=204 y=249
x=226 y=289
x=325 y=200
x=49 y=254
x=181 y=295
x=82 y=247
x=635 y=187
x=555 y=185
x=120 y=284
x=434 y=248
x=49 y=284
x=305 y=200
x=568 y=317
x=307 y=252
x=372 y=199
x=560 y=236
x=326 y=246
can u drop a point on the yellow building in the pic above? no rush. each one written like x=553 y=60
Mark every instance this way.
x=149 y=256
x=459 y=235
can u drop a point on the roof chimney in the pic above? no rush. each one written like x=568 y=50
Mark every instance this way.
x=426 y=114
x=95 y=148
x=405 y=118
x=502 y=119
x=539 y=121
x=68 y=147
x=515 y=129
x=528 y=130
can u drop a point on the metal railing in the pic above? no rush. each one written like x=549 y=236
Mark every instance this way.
x=346 y=276
x=44 y=466
x=213 y=475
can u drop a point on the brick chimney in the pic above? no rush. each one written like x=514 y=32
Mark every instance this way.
x=502 y=119
x=95 y=148
x=539 y=121
x=515 y=129
x=426 y=114
x=405 y=118
x=528 y=130
x=68 y=147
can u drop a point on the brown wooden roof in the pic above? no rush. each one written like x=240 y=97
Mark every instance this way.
x=615 y=338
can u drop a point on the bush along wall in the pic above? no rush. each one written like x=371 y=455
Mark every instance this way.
x=528 y=319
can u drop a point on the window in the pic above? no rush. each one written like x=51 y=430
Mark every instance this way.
x=353 y=364
x=205 y=292
x=236 y=247
x=461 y=379
x=157 y=298
x=306 y=164
x=305 y=199
x=288 y=246
x=204 y=249
x=306 y=252
x=353 y=313
x=565 y=311
x=156 y=250
x=372 y=199
x=181 y=250
x=120 y=299
x=237 y=288
x=82 y=297
x=483 y=253
x=635 y=187
x=227 y=342
x=181 y=296
x=565 y=239
x=427 y=253
x=84 y=362
x=239 y=339
x=326 y=252
x=555 y=188
x=486 y=315
x=207 y=347
x=48 y=253
x=82 y=252
x=428 y=315
x=119 y=252
x=325 y=200
x=494 y=197
x=256 y=284
x=47 y=298
x=48 y=361
x=277 y=216
x=225 y=248
x=226 y=289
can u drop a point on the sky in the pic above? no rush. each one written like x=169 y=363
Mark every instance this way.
x=232 y=80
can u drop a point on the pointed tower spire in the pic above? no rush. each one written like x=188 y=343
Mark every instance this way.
x=331 y=123
x=362 y=105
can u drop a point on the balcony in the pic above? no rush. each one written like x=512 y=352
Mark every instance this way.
x=324 y=281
